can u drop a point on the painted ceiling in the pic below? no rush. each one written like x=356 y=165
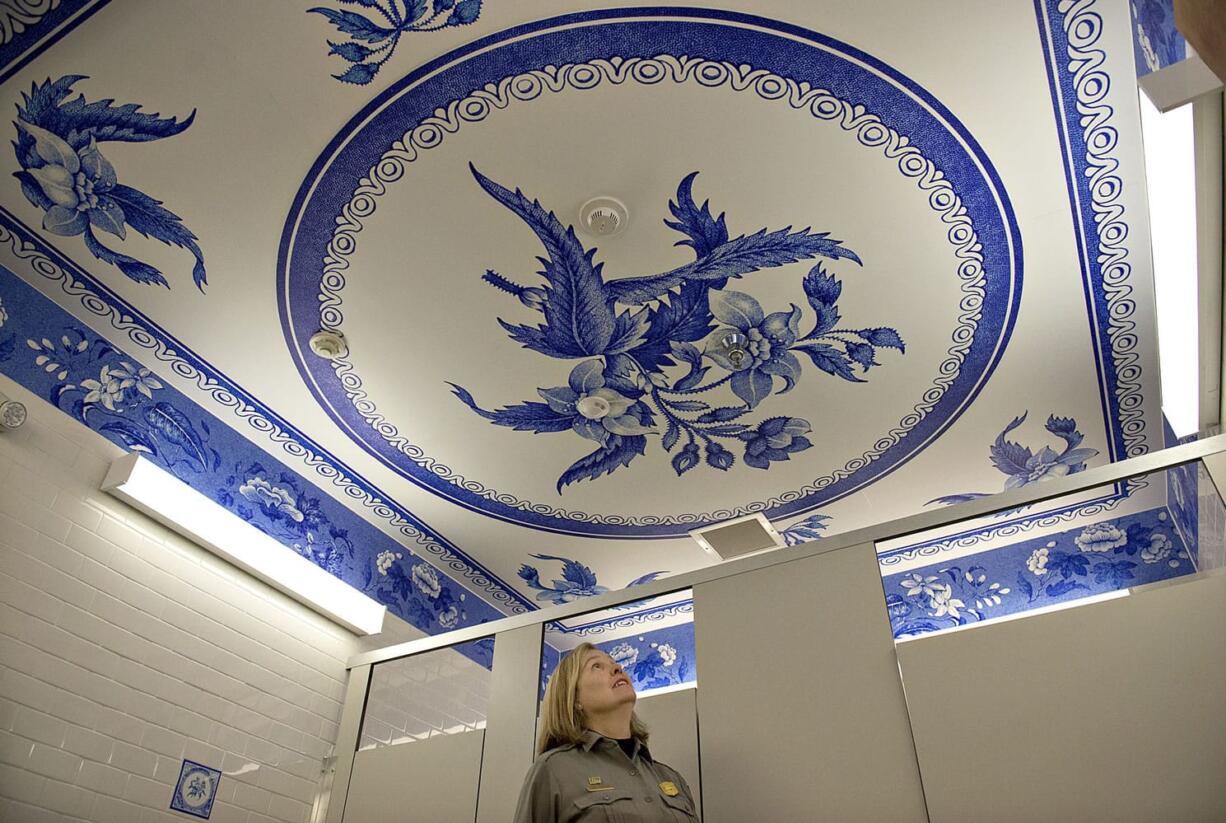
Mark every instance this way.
x=927 y=222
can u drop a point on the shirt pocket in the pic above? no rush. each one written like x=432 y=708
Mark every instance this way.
x=682 y=811
x=613 y=806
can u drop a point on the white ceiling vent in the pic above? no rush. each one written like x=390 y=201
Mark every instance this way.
x=738 y=537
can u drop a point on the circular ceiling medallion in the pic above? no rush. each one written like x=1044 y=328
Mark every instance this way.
x=792 y=195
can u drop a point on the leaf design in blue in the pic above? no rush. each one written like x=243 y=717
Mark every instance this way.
x=629 y=332
x=173 y=426
x=803 y=531
x=64 y=173
x=374 y=41
x=1021 y=465
x=130 y=436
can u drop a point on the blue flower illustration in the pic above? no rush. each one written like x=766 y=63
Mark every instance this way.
x=595 y=410
x=775 y=439
x=803 y=531
x=1023 y=467
x=637 y=336
x=374 y=41
x=65 y=174
x=577 y=580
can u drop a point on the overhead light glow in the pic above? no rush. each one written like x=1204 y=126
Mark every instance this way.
x=172 y=502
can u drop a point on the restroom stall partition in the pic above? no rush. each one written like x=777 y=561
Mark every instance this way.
x=801 y=712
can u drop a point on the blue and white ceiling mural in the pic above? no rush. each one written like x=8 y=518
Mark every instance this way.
x=931 y=239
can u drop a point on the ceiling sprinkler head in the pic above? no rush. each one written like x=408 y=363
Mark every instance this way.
x=603 y=216
x=12 y=413
x=329 y=344
x=734 y=346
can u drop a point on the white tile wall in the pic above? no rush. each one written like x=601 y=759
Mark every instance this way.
x=125 y=648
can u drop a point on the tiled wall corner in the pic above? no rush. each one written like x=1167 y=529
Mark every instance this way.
x=125 y=649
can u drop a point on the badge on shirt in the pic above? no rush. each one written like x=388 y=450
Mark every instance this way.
x=669 y=789
x=595 y=784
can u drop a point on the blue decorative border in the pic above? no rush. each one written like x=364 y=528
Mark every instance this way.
x=628 y=33
x=99 y=300
x=16 y=51
x=1100 y=558
x=48 y=351
x=1078 y=87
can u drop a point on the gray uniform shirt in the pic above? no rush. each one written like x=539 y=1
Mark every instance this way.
x=595 y=781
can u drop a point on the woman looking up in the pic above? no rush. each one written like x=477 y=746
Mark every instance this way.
x=592 y=760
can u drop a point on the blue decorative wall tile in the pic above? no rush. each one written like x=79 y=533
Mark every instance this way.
x=196 y=789
x=1104 y=557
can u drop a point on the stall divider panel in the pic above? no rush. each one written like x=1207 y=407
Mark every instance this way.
x=1110 y=711
x=672 y=721
x=801 y=709
x=511 y=722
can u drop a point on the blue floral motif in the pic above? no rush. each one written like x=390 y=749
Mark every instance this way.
x=120 y=402
x=577 y=581
x=1023 y=466
x=372 y=42
x=280 y=507
x=803 y=531
x=64 y=174
x=656 y=660
x=1099 y=558
x=631 y=333
x=415 y=589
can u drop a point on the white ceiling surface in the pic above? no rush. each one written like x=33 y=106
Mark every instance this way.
x=417 y=314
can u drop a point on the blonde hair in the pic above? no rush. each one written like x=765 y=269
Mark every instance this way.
x=562 y=720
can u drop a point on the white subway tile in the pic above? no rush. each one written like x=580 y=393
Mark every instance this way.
x=54 y=763
x=120 y=533
x=28 y=599
x=119 y=725
x=201 y=752
x=88 y=744
x=37 y=546
x=89 y=544
x=167 y=769
x=228 y=813
x=114 y=810
x=193 y=726
x=27 y=486
x=68 y=504
x=35 y=516
x=8 y=710
x=22 y=785
x=15 y=750
x=228 y=739
x=252 y=798
x=54 y=445
x=163 y=741
x=288 y=810
x=133 y=759
x=102 y=779
x=38 y=726
x=146 y=792
x=72 y=801
x=25 y=813
x=263 y=751
x=280 y=782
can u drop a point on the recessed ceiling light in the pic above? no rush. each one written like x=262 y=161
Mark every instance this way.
x=329 y=344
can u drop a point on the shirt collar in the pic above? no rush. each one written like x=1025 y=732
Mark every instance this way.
x=591 y=738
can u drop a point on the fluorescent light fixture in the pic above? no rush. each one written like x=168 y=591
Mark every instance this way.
x=1171 y=185
x=172 y=502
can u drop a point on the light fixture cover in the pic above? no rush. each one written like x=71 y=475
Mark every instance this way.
x=172 y=502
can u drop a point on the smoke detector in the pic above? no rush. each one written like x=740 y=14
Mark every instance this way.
x=12 y=413
x=738 y=537
x=329 y=344
x=603 y=216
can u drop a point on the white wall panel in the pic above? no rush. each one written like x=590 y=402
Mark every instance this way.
x=429 y=781
x=801 y=711
x=672 y=720
x=1106 y=712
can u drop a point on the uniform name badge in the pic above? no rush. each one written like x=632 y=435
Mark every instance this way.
x=669 y=789
x=595 y=784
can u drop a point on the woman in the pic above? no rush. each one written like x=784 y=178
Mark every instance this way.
x=592 y=760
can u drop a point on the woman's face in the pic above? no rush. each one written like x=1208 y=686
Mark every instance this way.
x=603 y=684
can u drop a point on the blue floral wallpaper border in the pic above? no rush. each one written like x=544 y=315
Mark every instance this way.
x=1156 y=43
x=99 y=300
x=40 y=23
x=55 y=356
x=1128 y=551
